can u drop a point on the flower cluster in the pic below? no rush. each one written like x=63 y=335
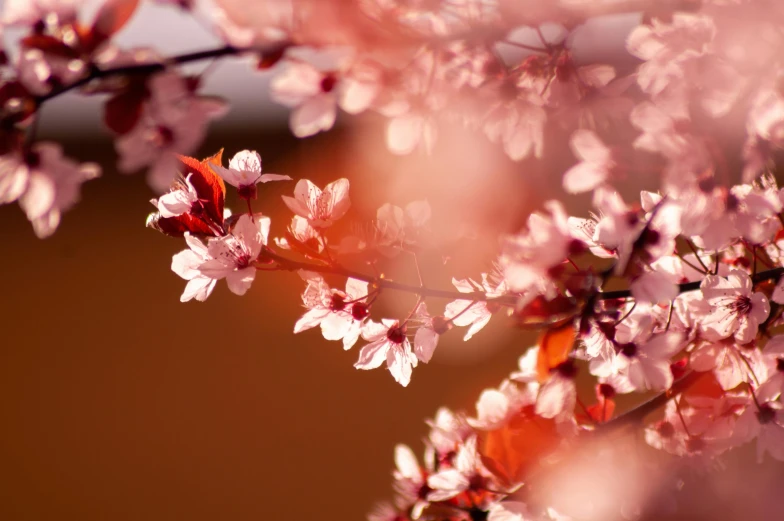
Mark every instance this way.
x=679 y=293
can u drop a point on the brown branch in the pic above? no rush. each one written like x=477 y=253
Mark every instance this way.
x=772 y=274
x=477 y=296
x=148 y=68
x=423 y=291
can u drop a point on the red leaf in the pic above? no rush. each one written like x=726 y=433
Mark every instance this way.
x=510 y=451
x=705 y=386
x=542 y=311
x=554 y=347
x=598 y=412
x=49 y=45
x=209 y=186
x=177 y=226
x=122 y=112
x=112 y=16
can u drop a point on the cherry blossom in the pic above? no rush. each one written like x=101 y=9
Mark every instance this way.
x=398 y=228
x=595 y=166
x=427 y=334
x=230 y=257
x=186 y=264
x=315 y=94
x=178 y=201
x=340 y=314
x=644 y=356
x=173 y=122
x=448 y=483
x=320 y=208
x=45 y=182
x=244 y=172
x=388 y=342
x=736 y=310
x=530 y=256
x=469 y=313
x=665 y=294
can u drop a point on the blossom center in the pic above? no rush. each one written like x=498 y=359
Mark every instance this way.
x=397 y=334
x=328 y=83
x=629 y=349
x=766 y=414
x=337 y=303
x=741 y=305
x=360 y=310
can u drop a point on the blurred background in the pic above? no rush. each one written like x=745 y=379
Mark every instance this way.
x=118 y=402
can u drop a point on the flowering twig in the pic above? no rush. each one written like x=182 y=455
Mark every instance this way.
x=147 y=68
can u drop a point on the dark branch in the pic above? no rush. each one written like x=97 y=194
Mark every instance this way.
x=146 y=68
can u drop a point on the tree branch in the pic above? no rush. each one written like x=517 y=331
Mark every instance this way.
x=147 y=68
x=477 y=296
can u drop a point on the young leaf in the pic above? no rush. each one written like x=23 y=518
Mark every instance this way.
x=209 y=186
x=513 y=449
x=112 y=16
x=554 y=347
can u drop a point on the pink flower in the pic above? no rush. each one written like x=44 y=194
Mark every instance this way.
x=496 y=406
x=28 y=12
x=398 y=228
x=408 y=130
x=173 y=122
x=546 y=243
x=45 y=183
x=230 y=257
x=729 y=364
x=301 y=230
x=509 y=511
x=427 y=334
x=244 y=173
x=645 y=356
x=595 y=166
x=558 y=396
x=448 y=483
x=475 y=314
x=38 y=70
x=178 y=201
x=313 y=95
x=410 y=479
x=669 y=48
x=736 y=310
x=186 y=264
x=763 y=419
x=320 y=208
x=388 y=342
x=340 y=314
x=519 y=126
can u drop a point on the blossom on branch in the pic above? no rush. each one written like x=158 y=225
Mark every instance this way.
x=230 y=257
x=320 y=208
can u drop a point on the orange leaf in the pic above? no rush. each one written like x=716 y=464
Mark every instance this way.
x=541 y=311
x=178 y=225
x=112 y=16
x=554 y=347
x=209 y=186
x=49 y=45
x=705 y=386
x=510 y=451
x=122 y=112
x=598 y=412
